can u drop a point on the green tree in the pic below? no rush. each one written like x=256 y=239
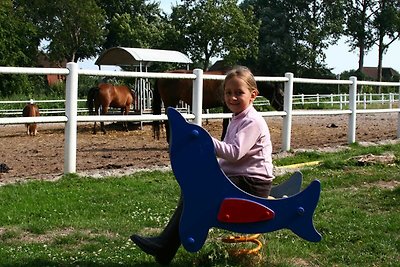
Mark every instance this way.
x=18 y=38
x=133 y=23
x=294 y=34
x=72 y=29
x=214 y=28
x=369 y=23
x=387 y=28
x=19 y=41
x=359 y=29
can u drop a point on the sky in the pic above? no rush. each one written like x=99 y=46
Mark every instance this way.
x=338 y=57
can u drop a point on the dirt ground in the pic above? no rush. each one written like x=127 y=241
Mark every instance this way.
x=118 y=152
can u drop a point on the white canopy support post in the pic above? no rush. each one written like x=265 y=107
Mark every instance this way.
x=71 y=111
x=197 y=96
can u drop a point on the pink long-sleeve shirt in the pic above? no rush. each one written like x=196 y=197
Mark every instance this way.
x=246 y=149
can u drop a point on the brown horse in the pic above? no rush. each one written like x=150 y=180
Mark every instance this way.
x=171 y=91
x=31 y=110
x=106 y=95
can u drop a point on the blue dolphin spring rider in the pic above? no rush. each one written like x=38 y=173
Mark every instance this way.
x=224 y=205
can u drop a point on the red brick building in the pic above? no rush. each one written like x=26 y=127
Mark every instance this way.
x=44 y=62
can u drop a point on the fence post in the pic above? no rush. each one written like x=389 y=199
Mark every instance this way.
x=353 y=109
x=287 y=107
x=197 y=101
x=71 y=110
x=341 y=101
x=365 y=100
x=398 y=115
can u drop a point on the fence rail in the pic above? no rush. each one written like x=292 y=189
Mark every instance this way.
x=391 y=100
x=71 y=117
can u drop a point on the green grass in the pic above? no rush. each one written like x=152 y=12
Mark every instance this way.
x=83 y=221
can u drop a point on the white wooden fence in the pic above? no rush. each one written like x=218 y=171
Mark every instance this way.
x=299 y=101
x=341 y=100
x=71 y=117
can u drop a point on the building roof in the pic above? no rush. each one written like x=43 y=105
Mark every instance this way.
x=44 y=62
x=387 y=73
x=128 y=56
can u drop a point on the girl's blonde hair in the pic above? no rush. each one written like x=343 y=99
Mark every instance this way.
x=245 y=74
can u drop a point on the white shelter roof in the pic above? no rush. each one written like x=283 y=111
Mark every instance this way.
x=128 y=56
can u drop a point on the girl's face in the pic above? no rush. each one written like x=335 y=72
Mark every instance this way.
x=237 y=95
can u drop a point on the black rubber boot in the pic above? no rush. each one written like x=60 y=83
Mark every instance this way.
x=164 y=246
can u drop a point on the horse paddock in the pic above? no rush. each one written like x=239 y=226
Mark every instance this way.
x=118 y=152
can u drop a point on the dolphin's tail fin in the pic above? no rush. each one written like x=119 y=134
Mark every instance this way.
x=303 y=226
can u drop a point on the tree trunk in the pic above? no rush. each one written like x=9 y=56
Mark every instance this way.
x=380 y=56
x=361 y=58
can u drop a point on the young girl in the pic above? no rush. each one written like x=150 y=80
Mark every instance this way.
x=245 y=156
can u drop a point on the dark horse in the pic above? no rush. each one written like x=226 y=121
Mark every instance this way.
x=171 y=91
x=106 y=95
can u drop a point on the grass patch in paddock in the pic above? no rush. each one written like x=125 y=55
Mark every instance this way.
x=87 y=222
